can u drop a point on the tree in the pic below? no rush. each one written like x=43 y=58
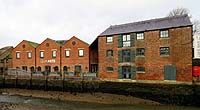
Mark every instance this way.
x=179 y=11
x=183 y=11
x=196 y=26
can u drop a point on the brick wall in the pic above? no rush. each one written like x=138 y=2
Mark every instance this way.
x=23 y=48
x=73 y=45
x=48 y=46
x=179 y=42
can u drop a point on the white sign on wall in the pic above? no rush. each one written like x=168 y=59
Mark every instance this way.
x=196 y=45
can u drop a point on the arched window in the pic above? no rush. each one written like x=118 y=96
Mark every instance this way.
x=56 y=68
x=32 y=69
x=39 y=68
x=65 y=68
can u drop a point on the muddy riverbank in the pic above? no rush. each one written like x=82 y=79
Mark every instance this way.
x=103 y=98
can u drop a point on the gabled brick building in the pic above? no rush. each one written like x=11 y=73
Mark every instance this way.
x=48 y=56
x=157 y=49
x=23 y=56
x=75 y=56
x=5 y=58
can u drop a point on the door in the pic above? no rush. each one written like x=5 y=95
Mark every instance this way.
x=77 y=70
x=48 y=69
x=126 y=72
x=170 y=72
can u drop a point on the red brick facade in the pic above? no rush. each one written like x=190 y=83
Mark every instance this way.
x=73 y=58
x=47 y=59
x=179 y=43
x=22 y=49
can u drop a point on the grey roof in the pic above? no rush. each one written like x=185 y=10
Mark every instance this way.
x=153 y=24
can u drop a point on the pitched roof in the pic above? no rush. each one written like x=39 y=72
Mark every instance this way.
x=33 y=44
x=60 y=42
x=6 y=52
x=153 y=24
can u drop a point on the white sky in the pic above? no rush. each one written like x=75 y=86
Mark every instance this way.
x=35 y=20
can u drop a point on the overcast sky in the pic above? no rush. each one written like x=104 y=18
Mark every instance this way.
x=35 y=20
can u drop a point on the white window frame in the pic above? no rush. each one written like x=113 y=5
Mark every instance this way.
x=67 y=53
x=54 y=52
x=126 y=40
x=18 y=55
x=109 y=39
x=41 y=54
x=164 y=33
x=80 y=52
x=140 y=36
x=29 y=54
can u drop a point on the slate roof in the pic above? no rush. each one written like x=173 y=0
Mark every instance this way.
x=33 y=44
x=6 y=52
x=153 y=24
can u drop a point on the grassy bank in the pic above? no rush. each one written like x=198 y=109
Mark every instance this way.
x=178 y=94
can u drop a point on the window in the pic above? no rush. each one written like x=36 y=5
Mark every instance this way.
x=126 y=40
x=39 y=68
x=24 y=68
x=29 y=55
x=67 y=53
x=126 y=56
x=41 y=54
x=109 y=39
x=54 y=54
x=18 y=55
x=140 y=36
x=56 y=68
x=65 y=68
x=2 y=61
x=140 y=69
x=164 y=51
x=126 y=72
x=32 y=69
x=109 y=53
x=140 y=51
x=80 y=52
x=109 y=69
x=164 y=33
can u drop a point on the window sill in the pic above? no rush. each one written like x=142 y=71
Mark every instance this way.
x=164 y=37
x=109 y=71
x=109 y=43
x=164 y=55
x=140 y=72
x=140 y=56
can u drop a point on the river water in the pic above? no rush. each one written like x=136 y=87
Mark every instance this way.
x=32 y=103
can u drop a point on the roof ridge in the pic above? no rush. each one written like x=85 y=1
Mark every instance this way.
x=150 y=20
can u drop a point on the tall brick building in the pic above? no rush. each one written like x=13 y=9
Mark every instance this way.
x=23 y=56
x=157 y=49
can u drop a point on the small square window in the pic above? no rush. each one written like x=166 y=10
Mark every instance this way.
x=140 y=36
x=140 y=51
x=109 y=39
x=164 y=51
x=80 y=52
x=41 y=54
x=109 y=53
x=164 y=33
x=18 y=55
x=126 y=40
x=54 y=54
x=67 y=53
x=109 y=69
x=29 y=55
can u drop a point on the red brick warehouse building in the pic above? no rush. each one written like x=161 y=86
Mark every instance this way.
x=48 y=56
x=23 y=56
x=71 y=56
x=157 y=49
x=75 y=56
